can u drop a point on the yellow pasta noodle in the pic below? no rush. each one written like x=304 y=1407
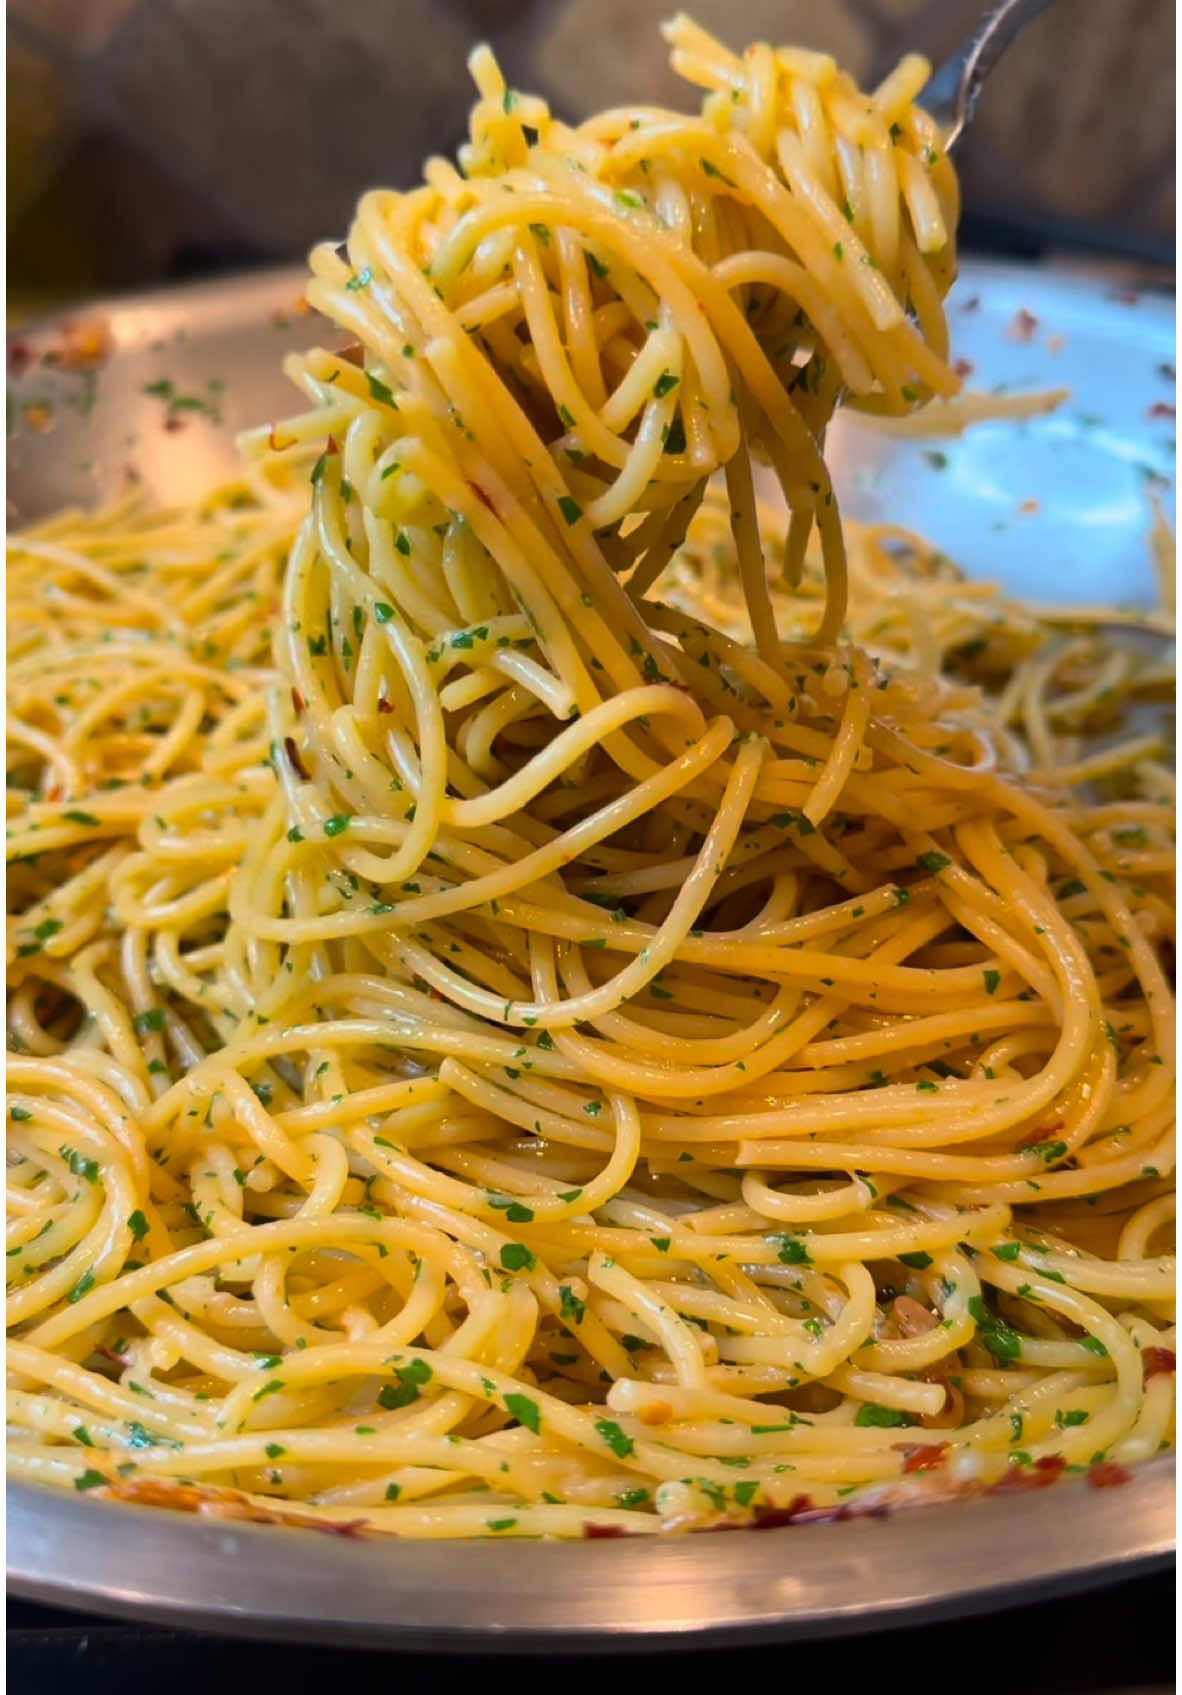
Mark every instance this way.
x=548 y=989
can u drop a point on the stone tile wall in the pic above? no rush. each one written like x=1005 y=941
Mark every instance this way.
x=152 y=137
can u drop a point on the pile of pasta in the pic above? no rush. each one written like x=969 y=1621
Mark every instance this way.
x=547 y=995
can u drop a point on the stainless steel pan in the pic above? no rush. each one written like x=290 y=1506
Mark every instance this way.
x=262 y=1580
x=185 y=369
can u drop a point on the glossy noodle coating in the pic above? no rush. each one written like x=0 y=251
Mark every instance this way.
x=544 y=992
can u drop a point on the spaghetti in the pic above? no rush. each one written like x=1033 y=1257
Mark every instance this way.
x=632 y=1018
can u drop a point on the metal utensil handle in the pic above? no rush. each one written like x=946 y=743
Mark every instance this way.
x=951 y=95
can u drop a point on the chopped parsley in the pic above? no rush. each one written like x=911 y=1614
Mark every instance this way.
x=48 y=927
x=1047 y=1151
x=632 y=1498
x=792 y=1251
x=872 y=1416
x=515 y=1256
x=525 y=1411
x=410 y=1379
x=83 y=1287
x=79 y=1165
x=570 y=1306
x=1003 y=1342
x=617 y=1440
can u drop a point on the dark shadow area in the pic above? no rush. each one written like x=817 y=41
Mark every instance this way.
x=1117 y=1641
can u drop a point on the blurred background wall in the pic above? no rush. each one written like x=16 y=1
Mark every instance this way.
x=153 y=139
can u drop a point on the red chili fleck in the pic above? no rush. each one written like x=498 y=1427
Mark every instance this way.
x=772 y=1518
x=964 y=367
x=1159 y=409
x=384 y=704
x=298 y=701
x=294 y=760
x=172 y=424
x=20 y=357
x=604 y=1532
x=332 y=445
x=801 y=1510
x=1023 y=326
x=110 y=1354
x=923 y=1456
x=1107 y=1474
x=1044 y=1470
x=350 y=1527
x=480 y=495
x=1158 y=1360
